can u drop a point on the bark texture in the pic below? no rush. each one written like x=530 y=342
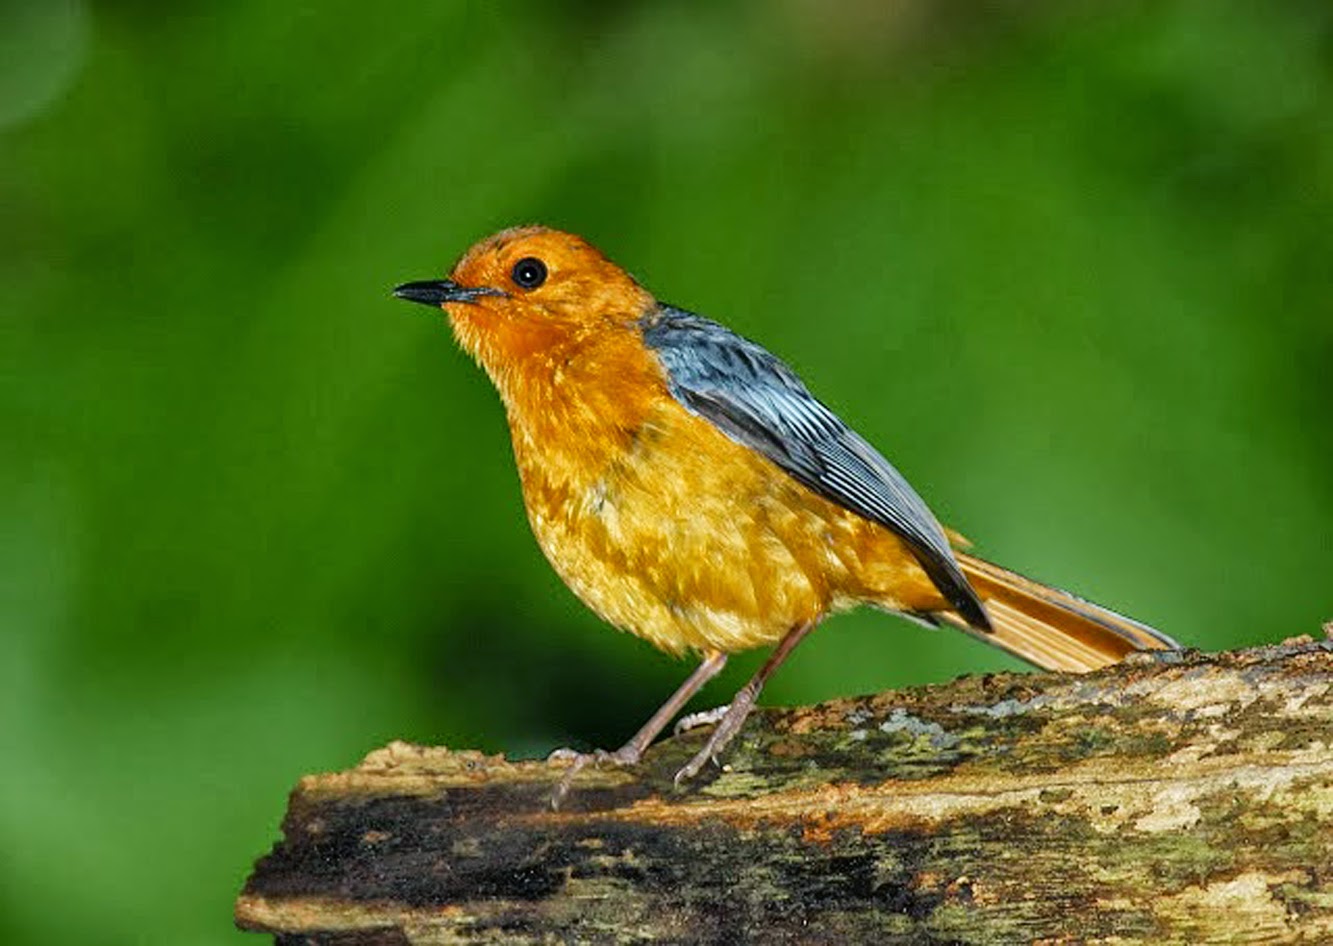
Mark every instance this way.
x=1182 y=799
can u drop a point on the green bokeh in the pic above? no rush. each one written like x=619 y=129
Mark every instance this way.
x=1068 y=265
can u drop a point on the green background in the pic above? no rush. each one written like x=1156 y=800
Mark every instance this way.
x=1068 y=265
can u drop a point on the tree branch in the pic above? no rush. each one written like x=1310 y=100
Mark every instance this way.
x=1182 y=799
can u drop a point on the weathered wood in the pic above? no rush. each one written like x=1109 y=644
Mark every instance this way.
x=1185 y=799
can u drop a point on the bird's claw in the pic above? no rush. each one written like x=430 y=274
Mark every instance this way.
x=578 y=761
x=709 y=752
x=702 y=718
x=729 y=720
x=692 y=768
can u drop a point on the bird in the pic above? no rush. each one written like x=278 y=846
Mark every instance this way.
x=689 y=489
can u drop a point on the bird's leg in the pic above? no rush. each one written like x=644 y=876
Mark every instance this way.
x=631 y=752
x=742 y=703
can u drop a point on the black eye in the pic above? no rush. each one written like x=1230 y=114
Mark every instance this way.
x=528 y=273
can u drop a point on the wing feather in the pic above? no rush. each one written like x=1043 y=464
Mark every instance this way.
x=760 y=403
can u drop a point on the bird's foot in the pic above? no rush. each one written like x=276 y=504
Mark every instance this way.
x=706 y=717
x=732 y=718
x=578 y=761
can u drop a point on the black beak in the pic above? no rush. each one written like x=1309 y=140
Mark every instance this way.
x=436 y=292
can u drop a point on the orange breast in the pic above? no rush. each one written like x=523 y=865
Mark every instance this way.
x=670 y=530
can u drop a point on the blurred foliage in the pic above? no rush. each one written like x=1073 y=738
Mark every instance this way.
x=1067 y=264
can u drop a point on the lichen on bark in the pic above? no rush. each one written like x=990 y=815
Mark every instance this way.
x=1181 y=799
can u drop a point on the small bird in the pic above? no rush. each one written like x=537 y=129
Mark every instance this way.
x=689 y=489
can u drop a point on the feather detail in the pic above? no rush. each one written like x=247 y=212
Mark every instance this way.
x=1050 y=628
x=760 y=403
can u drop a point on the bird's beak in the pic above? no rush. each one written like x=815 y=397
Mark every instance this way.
x=436 y=292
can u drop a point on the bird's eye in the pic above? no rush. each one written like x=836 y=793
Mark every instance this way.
x=528 y=273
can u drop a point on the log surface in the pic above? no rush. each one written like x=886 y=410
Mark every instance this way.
x=1185 y=799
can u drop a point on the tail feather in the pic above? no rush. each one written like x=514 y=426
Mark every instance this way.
x=1048 y=627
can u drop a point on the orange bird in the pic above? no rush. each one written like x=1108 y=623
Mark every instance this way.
x=690 y=489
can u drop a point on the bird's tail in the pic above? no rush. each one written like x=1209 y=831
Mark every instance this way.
x=1048 y=627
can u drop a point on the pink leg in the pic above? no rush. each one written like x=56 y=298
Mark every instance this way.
x=631 y=752
x=742 y=703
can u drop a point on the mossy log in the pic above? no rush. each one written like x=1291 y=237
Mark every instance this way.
x=1177 y=799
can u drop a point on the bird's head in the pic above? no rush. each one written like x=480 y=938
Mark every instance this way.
x=530 y=290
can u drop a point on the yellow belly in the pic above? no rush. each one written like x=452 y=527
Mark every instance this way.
x=692 y=542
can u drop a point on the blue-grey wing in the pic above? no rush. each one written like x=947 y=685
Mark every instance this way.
x=760 y=403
